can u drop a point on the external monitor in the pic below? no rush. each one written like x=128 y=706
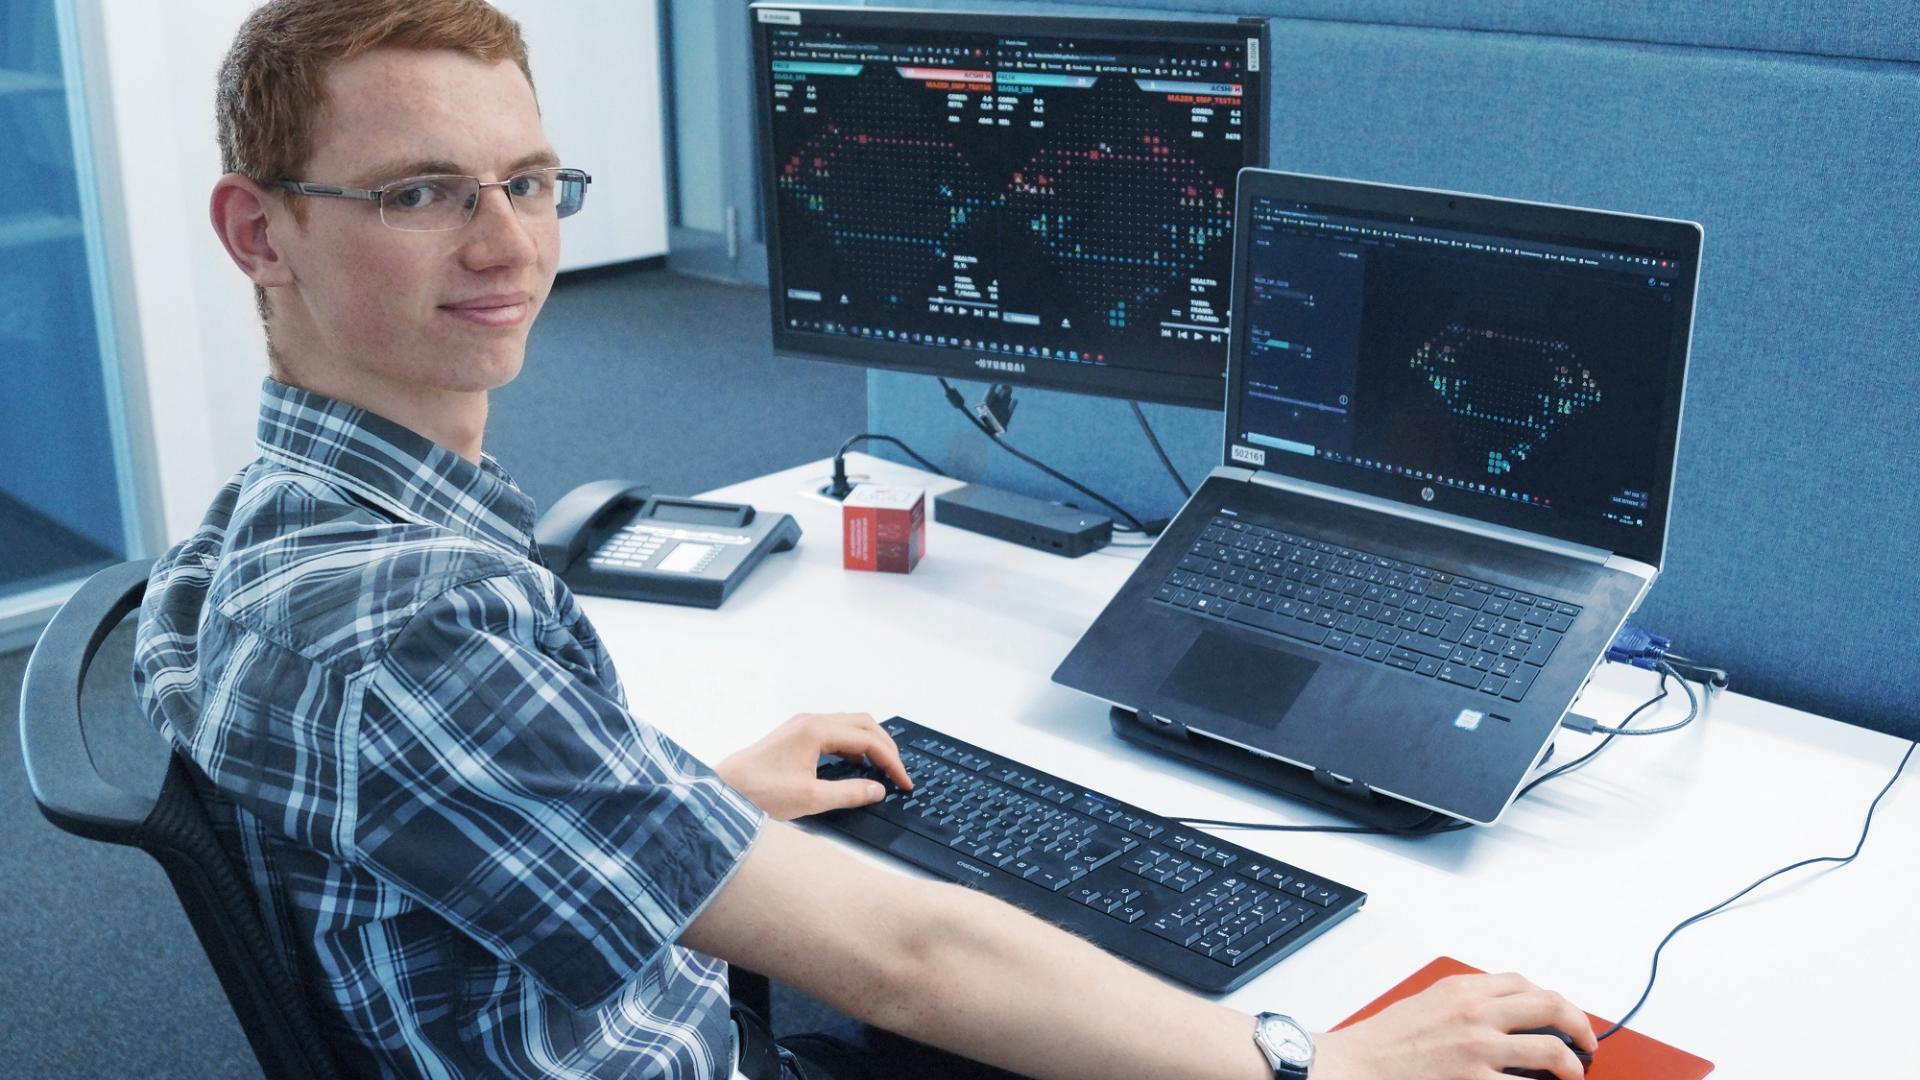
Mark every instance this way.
x=1029 y=200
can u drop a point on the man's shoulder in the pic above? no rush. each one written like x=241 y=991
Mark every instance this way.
x=300 y=564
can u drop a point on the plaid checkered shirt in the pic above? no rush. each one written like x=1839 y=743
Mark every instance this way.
x=469 y=852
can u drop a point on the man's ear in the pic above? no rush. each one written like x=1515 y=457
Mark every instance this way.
x=239 y=209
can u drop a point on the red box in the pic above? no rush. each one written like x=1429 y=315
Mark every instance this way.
x=883 y=528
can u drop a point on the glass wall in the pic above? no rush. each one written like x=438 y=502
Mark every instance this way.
x=63 y=512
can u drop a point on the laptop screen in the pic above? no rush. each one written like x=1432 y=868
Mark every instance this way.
x=1504 y=361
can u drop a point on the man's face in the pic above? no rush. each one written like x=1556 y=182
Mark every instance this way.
x=410 y=312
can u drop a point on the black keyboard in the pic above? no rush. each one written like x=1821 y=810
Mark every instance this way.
x=1478 y=635
x=1206 y=912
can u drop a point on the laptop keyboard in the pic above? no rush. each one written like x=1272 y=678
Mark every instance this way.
x=1207 y=912
x=1477 y=635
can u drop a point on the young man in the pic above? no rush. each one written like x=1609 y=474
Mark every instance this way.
x=474 y=858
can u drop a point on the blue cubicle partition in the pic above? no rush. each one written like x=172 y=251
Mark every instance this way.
x=1792 y=133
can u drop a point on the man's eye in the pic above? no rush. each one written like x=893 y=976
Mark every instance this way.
x=527 y=185
x=414 y=196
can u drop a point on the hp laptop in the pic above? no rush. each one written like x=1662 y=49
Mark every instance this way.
x=1450 y=432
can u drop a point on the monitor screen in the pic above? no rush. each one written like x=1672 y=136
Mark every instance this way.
x=1031 y=200
x=1514 y=374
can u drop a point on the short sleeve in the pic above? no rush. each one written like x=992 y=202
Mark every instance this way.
x=520 y=801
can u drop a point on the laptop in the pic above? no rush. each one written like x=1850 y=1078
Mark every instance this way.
x=1448 y=467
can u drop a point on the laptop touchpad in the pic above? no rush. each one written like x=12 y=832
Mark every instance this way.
x=1235 y=678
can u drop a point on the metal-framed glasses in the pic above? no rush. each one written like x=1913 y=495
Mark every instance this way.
x=438 y=203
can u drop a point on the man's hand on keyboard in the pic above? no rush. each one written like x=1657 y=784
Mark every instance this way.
x=777 y=772
x=1458 y=1029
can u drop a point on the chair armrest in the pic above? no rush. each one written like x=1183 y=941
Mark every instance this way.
x=66 y=783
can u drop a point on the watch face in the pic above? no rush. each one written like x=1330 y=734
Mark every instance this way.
x=1286 y=1040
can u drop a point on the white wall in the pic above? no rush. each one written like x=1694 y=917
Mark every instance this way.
x=596 y=66
x=186 y=317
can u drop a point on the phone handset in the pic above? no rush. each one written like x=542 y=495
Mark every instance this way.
x=583 y=518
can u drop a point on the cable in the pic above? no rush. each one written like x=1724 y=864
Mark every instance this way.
x=1715 y=909
x=1611 y=733
x=1712 y=678
x=1693 y=707
x=960 y=403
x=840 y=488
x=1185 y=491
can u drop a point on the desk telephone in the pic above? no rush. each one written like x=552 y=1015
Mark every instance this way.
x=616 y=538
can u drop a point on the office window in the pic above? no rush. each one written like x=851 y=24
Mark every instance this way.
x=64 y=510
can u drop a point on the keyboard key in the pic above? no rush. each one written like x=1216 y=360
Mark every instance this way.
x=1542 y=648
x=1240 y=950
x=1180 y=934
x=1426 y=646
x=1518 y=684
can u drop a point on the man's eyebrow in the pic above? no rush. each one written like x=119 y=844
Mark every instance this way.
x=401 y=170
x=539 y=159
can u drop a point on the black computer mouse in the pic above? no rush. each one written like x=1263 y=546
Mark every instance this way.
x=1586 y=1058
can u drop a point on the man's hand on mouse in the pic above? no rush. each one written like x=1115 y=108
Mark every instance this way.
x=1458 y=1029
x=777 y=773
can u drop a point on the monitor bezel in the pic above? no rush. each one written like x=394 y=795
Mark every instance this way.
x=1574 y=226
x=1136 y=384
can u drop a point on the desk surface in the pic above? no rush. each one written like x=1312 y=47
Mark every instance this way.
x=1574 y=887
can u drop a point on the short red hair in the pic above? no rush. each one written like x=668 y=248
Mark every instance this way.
x=272 y=88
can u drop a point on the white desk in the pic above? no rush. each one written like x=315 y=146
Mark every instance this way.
x=1574 y=887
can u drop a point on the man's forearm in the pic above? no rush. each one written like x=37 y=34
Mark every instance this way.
x=961 y=971
x=988 y=981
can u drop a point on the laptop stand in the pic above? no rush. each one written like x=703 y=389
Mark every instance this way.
x=1322 y=789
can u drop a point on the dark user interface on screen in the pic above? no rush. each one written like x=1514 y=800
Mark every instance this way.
x=1050 y=202
x=1518 y=368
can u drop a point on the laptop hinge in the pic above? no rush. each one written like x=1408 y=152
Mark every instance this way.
x=1502 y=533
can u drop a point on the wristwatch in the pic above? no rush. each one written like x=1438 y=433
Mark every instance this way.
x=1288 y=1047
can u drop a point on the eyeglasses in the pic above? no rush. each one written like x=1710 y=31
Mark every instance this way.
x=438 y=203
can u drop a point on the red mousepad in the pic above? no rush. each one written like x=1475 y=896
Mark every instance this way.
x=1626 y=1055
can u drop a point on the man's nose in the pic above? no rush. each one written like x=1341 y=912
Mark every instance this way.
x=497 y=235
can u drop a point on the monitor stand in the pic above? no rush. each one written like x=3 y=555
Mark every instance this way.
x=1356 y=802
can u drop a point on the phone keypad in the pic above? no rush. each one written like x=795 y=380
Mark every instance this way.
x=630 y=548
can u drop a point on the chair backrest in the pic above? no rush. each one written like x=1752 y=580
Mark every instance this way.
x=169 y=824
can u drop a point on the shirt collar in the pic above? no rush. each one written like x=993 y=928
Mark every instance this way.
x=393 y=467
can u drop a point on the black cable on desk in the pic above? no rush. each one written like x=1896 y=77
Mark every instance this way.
x=840 y=488
x=1654 y=973
x=960 y=403
x=1693 y=709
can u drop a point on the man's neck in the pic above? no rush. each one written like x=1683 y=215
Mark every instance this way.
x=452 y=419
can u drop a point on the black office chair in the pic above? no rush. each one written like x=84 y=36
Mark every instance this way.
x=169 y=824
